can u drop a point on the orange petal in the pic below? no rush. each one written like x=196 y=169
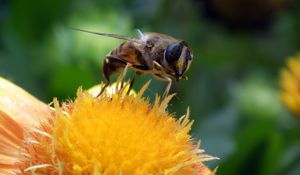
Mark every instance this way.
x=20 y=105
x=11 y=134
x=19 y=111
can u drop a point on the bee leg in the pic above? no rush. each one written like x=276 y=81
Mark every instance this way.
x=122 y=78
x=169 y=80
x=158 y=67
x=131 y=83
x=103 y=88
x=110 y=65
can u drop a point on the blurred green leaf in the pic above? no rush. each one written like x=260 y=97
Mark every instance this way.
x=257 y=97
x=64 y=82
x=252 y=144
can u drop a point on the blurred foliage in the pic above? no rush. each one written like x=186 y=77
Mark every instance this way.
x=239 y=48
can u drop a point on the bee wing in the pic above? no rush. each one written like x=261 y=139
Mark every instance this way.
x=141 y=34
x=117 y=36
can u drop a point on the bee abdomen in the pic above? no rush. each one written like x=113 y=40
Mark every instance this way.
x=129 y=53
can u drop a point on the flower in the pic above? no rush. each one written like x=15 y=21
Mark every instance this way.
x=290 y=85
x=113 y=134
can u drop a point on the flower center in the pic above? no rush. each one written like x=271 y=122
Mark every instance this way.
x=123 y=135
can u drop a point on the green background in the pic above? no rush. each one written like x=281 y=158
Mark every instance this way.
x=239 y=48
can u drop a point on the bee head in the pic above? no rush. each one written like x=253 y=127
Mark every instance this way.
x=178 y=58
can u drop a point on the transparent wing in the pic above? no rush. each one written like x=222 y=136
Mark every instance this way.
x=117 y=36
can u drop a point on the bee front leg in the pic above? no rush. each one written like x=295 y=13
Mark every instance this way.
x=169 y=83
x=169 y=80
x=158 y=68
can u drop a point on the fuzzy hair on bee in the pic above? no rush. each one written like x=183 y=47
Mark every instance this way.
x=152 y=53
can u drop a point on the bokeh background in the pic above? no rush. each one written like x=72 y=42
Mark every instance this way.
x=239 y=48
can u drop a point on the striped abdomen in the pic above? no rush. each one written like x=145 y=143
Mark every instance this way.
x=129 y=53
x=122 y=55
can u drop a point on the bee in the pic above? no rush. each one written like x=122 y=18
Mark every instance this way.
x=152 y=53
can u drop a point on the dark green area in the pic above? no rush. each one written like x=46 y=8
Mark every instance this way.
x=232 y=89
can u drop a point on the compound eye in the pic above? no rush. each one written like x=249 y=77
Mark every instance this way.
x=189 y=55
x=173 y=52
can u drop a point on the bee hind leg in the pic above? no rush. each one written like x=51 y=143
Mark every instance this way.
x=103 y=88
x=132 y=82
x=110 y=65
x=122 y=77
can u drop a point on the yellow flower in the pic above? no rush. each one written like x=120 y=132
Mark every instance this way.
x=115 y=134
x=290 y=85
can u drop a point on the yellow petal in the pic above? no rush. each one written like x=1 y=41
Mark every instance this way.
x=294 y=65
x=290 y=84
x=292 y=102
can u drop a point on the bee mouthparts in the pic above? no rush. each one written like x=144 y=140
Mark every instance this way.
x=182 y=78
